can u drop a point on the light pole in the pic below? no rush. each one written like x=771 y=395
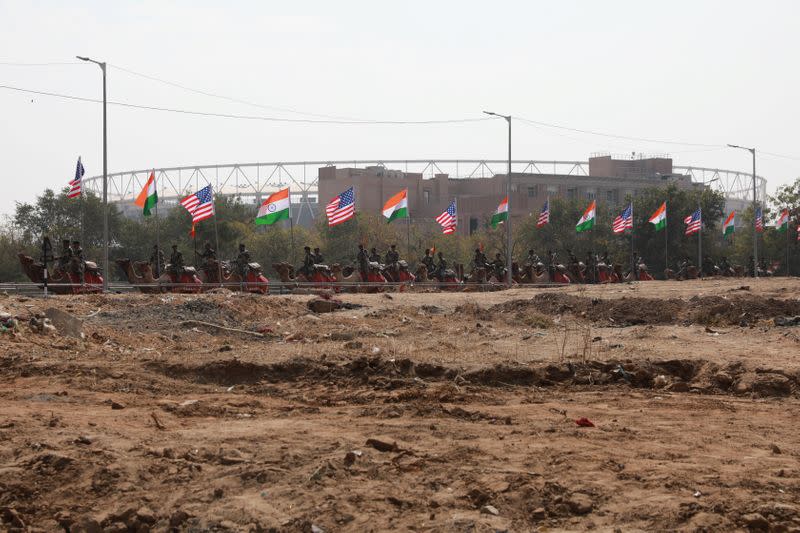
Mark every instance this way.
x=755 y=207
x=508 y=198
x=106 y=271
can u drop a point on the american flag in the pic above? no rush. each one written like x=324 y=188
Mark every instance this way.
x=759 y=220
x=623 y=221
x=544 y=216
x=75 y=186
x=341 y=208
x=448 y=219
x=693 y=223
x=200 y=204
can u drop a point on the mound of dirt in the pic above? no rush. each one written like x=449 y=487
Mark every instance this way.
x=706 y=310
x=679 y=374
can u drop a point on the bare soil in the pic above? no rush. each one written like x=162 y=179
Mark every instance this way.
x=413 y=412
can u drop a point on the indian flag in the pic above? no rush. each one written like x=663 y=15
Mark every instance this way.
x=148 y=198
x=501 y=213
x=783 y=221
x=396 y=206
x=587 y=220
x=728 y=226
x=274 y=208
x=659 y=218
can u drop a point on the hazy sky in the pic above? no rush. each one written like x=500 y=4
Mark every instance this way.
x=710 y=72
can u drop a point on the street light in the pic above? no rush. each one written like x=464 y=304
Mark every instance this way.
x=508 y=197
x=755 y=230
x=106 y=270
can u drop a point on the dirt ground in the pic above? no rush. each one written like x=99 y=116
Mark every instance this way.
x=413 y=412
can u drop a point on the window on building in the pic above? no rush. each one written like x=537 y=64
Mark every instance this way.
x=533 y=191
x=426 y=196
x=572 y=192
x=590 y=194
x=611 y=197
x=473 y=225
x=552 y=190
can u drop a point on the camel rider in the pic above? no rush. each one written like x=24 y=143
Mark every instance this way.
x=176 y=261
x=393 y=258
x=208 y=254
x=363 y=262
x=441 y=267
x=157 y=261
x=499 y=266
x=531 y=260
x=683 y=267
x=65 y=258
x=374 y=256
x=725 y=266
x=78 y=263
x=317 y=256
x=708 y=266
x=479 y=261
x=428 y=262
x=551 y=263
x=637 y=259
x=590 y=267
x=572 y=259
x=308 y=262
x=243 y=261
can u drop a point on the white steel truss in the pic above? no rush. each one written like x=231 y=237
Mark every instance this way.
x=253 y=181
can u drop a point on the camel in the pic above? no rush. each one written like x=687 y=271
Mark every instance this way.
x=691 y=273
x=577 y=272
x=373 y=276
x=607 y=273
x=287 y=274
x=542 y=275
x=256 y=282
x=63 y=282
x=144 y=279
x=643 y=274
x=450 y=281
x=401 y=275
x=187 y=282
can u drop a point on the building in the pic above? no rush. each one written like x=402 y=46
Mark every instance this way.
x=610 y=180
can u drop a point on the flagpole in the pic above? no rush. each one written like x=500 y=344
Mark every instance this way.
x=291 y=231
x=700 y=240
x=219 y=252
x=787 y=247
x=633 y=259
x=408 y=236
x=666 y=239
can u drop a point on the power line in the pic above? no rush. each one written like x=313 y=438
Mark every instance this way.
x=248 y=117
x=793 y=158
x=230 y=99
x=614 y=136
x=51 y=64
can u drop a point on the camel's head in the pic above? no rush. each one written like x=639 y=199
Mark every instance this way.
x=25 y=259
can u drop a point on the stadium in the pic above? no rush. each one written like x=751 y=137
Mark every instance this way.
x=475 y=183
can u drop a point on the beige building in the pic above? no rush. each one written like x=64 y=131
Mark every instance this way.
x=610 y=180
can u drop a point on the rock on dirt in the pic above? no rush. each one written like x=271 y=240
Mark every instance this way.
x=324 y=306
x=755 y=522
x=764 y=384
x=580 y=503
x=383 y=446
x=65 y=323
x=490 y=509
